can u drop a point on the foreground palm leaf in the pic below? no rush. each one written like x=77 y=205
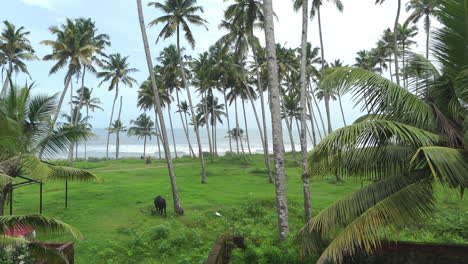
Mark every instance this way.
x=407 y=143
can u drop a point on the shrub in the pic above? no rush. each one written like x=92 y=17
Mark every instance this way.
x=159 y=232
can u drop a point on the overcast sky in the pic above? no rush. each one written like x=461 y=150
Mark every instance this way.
x=358 y=27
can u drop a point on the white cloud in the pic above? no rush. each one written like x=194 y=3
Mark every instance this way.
x=49 y=4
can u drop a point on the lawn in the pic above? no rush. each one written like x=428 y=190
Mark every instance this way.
x=119 y=226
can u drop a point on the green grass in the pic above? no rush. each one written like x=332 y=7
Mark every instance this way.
x=119 y=226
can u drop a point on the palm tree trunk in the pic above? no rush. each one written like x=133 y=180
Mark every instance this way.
x=7 y=79
x=302 y=134
x=207 y=123
x=395 y=44
x=228 y=122
x=312 y=117
x=80 y=103
x=291 y=139
x=403 y=61
x=172 y=129
x=280 y=181
x=4 y=191
x=342 y=112
x=72 y=122
x=158 y=132
x=239 y=135
x=189 y=97
x=390 y=68
x=185 y=126
x=246 y=128
x=318 y=109
x=86 y=141
x=265 y=133
x=117 y=143
x=327 y=109
x=110 y=121
x=175 y=194
x=144 y=148
x=427 y=39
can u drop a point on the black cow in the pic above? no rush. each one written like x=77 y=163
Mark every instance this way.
x=160 y=205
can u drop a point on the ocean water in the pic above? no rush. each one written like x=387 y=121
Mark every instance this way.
x=131 y=146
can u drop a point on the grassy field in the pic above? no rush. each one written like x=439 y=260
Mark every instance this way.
x=119 y=226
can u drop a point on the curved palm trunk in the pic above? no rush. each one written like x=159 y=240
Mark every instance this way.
x=341 y=108
x=228 y=122
x=395 y=44
x=117 y=142
x=111 y=118
x=280 y=181
x=189 y=97
x=175 y=194
x=302 y=134
x=158 y=132
x=246 y=128
x=185 y=126
x=172 y=129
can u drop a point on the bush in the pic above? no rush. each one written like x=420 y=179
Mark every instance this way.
x=159 y=232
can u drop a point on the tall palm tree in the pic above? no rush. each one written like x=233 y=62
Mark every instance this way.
x=72 y=50
x=339 y=64
x=405 y=35
x=143 y=127
x=116 y=71
x=15 y=47
x=180 y=13
x=184 y=109
x=411 y=154
x=424 y=9
x=395 y=38
x=90 y=103
x=273 y=80
x=175 y=194
x=212 y=114
x=117 y=128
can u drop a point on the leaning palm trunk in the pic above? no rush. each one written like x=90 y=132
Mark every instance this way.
x=228 y=122
x=172 y=129
x=239 y=135
x=195 y=123
x=7 y=80
x=158 y=132
x=341 y=108
x=291 y=139
x=117 y=142
x=303 y=99
x=312 y=118
x=280 y=181
x=175 y=195
x=185 y=126
x=111 y=118
x=318 y=109
x=265 y=133
x=246 y=127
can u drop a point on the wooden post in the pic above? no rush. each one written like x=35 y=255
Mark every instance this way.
x=40 y=198
x=66 y=193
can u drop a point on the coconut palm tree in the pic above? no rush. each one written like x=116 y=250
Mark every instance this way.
x=338 y=64
x=24 y=120
x=175 y=194
x=210 y=111
x=405 y=35
x=117 y=128
x=15 y=48
x=236 y=134
x=179 y=13
x=423 y=9
x=273 y=80
x=72 y=50
x=90 y=103
x=184 y=109
x=411 y=144
x=143 y=127
x=116 y=71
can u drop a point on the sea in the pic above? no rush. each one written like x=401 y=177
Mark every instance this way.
x=132 y=146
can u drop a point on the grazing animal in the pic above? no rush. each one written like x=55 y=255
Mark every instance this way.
x=160 y=205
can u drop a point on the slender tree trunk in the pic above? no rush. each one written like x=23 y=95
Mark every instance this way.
x=312 y=117
x=80 y=103
x=318 y=110
x=291 y=139
x=144 y=148
x=395 y=43
x=7 y=79
x=86 y=141
x=280 y=182
x=303 y=99
x=403 y=61
x=172 y=129
x=4 y=191
x=247 y=128
x=207 y=123
x=111 y=118
x=175 y=194
x=228 y=122
x=189 y=97
x=390 y=68
x=427 y=40
x=185 y=126
x=239 y=135
x=327 y=109
x=265 y=133
x=158 y=132
x=342 y=112
x=72 y=122
x=117 y=143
